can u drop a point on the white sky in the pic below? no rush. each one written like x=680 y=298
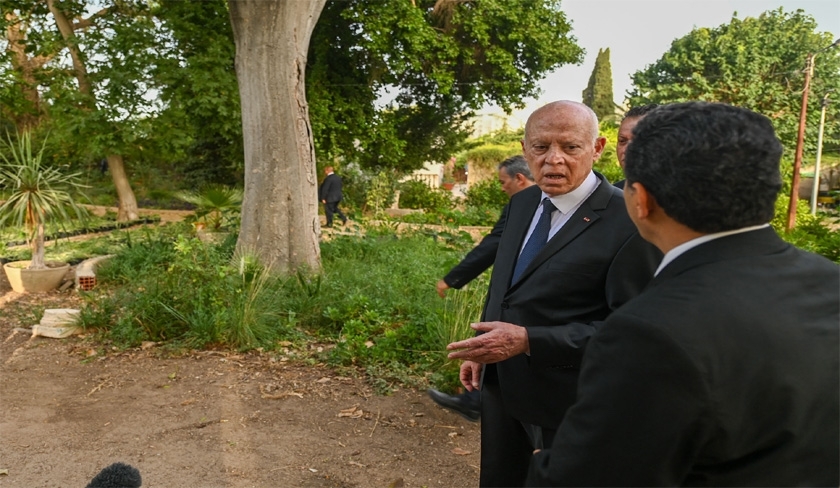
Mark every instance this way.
x=638 y=32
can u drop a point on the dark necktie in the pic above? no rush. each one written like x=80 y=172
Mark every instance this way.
x=537 y=240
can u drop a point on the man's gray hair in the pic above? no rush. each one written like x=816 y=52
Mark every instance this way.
x=516 y=165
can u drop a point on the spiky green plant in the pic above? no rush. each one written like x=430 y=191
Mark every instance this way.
x=217 y=206
x=36 y=193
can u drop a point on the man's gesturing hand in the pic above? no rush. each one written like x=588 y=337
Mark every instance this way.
x=471 y=375
x=500 y=341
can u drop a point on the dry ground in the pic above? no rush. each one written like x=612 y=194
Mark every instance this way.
x=69 y=407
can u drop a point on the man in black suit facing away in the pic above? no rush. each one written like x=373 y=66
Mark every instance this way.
x=330 y=195
x=568 y=256
x=514 y=176
x=724 y=371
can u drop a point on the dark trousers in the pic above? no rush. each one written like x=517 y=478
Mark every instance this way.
x=506 y=444
x=331 y=208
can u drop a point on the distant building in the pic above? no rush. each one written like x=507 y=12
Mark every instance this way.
x=490 y=121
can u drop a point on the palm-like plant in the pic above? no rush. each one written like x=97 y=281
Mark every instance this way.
x=36 y=193
x=216 y=206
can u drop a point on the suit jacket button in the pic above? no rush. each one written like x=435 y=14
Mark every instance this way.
x=505 y=305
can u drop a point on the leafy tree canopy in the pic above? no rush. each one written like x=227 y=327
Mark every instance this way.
x=756 y=63
x=440 y=60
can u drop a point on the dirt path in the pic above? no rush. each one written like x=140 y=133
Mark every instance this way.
x=69 y=407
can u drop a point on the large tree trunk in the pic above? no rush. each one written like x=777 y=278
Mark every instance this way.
x=280 y=207
x=128 y=204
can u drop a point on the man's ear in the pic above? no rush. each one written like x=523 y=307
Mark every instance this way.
x=600 y=144
x=639 y=200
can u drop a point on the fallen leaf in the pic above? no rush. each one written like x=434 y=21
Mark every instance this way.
x=369 y=344
x=397 y=483
x=324 y=380
x=4 y=471
x=354 y=463
x=147 y=345
x=460 y=452
x=453 y=434
x=313 y=470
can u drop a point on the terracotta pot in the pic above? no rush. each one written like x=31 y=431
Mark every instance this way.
x=35 y=280
x=447 y=186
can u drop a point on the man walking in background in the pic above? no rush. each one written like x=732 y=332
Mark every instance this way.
x=514 y=176
x=330 y=195
x=724 y=371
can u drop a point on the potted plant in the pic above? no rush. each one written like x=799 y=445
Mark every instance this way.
x=35 y=195
x=217 y=210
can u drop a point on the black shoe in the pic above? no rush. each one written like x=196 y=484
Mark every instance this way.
x=344 y=221
x=464 y=404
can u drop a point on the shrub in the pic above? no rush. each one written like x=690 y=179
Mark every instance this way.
x=486 y=193
x=416 y=194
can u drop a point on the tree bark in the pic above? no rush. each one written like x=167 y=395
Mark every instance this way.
x=280 y=222
x=127 y=203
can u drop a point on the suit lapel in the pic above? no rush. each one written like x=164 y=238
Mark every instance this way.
x=586 y=215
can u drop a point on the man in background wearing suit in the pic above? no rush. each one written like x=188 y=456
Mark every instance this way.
x=330 y=195
x=568 y=256
x=724 y=371
x=514 y=176
x=625 y=133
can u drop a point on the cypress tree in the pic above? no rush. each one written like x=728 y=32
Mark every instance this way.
x=598 y=94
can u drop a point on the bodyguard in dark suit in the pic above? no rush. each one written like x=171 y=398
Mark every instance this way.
x=568 y=256
x=330 y=195
x=724 y=371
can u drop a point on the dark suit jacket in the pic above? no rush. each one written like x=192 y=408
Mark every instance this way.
x=594 y=264
x=330 y=189
x=724 y=372
x=479 y=258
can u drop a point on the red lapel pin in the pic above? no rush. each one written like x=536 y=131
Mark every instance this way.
x=586 y=219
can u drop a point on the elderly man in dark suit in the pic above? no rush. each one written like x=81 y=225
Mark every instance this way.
x=568 y=256
x=724 y=371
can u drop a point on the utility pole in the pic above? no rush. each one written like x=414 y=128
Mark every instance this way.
x=800 y=140
x=815 y=191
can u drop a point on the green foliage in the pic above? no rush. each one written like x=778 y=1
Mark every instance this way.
x=35 y=193
x=756 y=63
x=598 y=94
x=608 y=165
x=487 y=193
x=217 y=206
x=200 y=87
x=416 y=194
x=462 y=308
x=488 y=156
x=185 y=291
x=469 y=216
x=380 y=193
x=439 y=60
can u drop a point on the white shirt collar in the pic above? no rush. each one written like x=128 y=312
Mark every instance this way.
x=569 y=201
x=685 y=246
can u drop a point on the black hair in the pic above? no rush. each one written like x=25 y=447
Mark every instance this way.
x=516 y=165
x=710 y=166
x=639 y=111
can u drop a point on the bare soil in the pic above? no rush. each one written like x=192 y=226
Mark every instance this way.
x=70 y=407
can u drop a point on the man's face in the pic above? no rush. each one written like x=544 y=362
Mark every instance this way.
x=509 y=185
x=560 y=147
x=625 y=135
